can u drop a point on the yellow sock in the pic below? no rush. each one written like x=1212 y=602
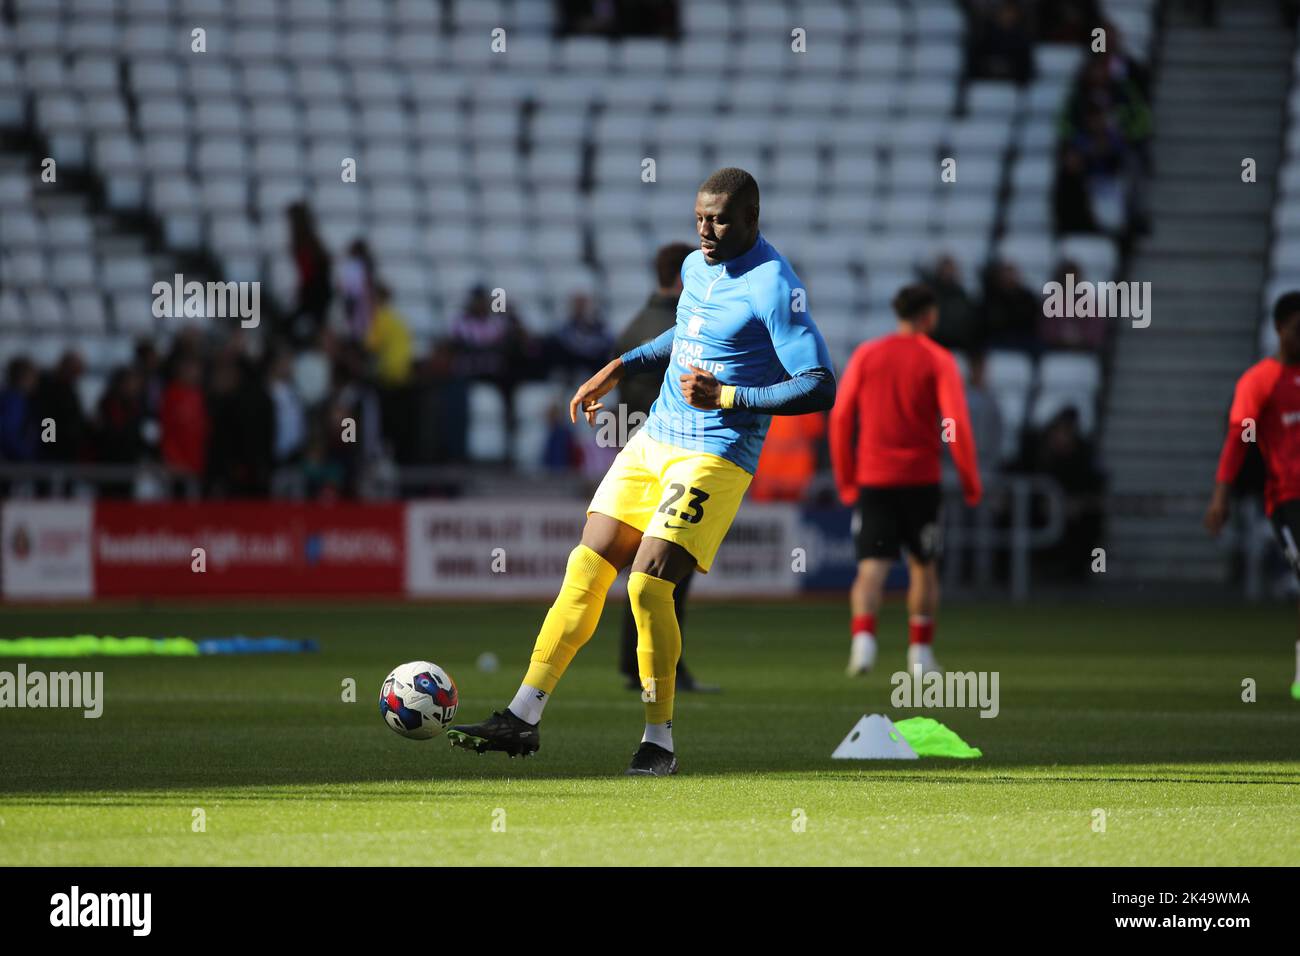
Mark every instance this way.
x=572 y=618
x=659 y=643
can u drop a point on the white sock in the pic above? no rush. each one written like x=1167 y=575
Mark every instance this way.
x=862 y=650
x=528 y=703
x=661 y=734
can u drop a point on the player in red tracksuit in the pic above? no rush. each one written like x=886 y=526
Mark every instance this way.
x=1266 y=410
x=900 y=398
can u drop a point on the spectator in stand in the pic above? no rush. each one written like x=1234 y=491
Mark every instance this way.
x=959 y=321
x=1133 y=79
x=20 y=434
x=312 y=262
x=183 y=415
x=357 y=286
x=389 y=344
x=582 y=345
x=986 y=427
x=595 y=455
x=480 y=336
x=1106 y=165
x=290 y=418
x=188 y=343
x=242 y=438
x=489 y=344
x=789 y=459
x=444 y=404
x=1092 y=88
x=1107 y=118
x=985 y=417
x=658 y=314
x=1000 y=44
x=620 y=18
x=561 y=453
x=1073 y=332
x=120 y=419
x=1067 y=21
x=351 y=447
x=1009 y=311
x=119 y=426
x=1071 y=205
x=148 y=366
x=1062 y=452
x=312 y=370
x=324 y=477
x=1123 y=67
x=58 y=398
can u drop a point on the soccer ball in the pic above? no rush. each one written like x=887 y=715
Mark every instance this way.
x=418 y=700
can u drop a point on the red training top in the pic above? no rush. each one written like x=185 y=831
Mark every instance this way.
x=1269 y=395
x=899 y=394
x=184 y=418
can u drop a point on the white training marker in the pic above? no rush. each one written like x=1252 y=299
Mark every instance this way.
x=874 y=737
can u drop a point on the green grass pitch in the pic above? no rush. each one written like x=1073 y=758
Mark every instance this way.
x=1136 y=712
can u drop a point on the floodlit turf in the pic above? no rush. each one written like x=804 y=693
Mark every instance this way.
x=1137 y=713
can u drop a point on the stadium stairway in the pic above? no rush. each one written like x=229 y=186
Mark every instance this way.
x=1220 y=96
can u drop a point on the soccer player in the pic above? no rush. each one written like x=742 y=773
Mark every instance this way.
x=744 y=348
x=900 y=398
x=1266 y=410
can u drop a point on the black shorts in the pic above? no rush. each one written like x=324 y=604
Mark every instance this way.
x=1286 y=525
x=888 y=520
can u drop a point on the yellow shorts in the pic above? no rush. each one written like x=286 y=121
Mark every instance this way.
x=687 y=497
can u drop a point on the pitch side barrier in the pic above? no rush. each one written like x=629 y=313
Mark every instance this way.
x=78 y=532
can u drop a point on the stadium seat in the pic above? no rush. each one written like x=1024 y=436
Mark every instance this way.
x=68 y=230
x=1065 y=379
x=534 y=403
x=14 y=315
x=1097 y=256
x=992 y=98
x=487 y=429
x=1011 y=370
x=1031 y=254
x=75 y=270
x=703 y=18
x=86 y=313
x=1069 y=370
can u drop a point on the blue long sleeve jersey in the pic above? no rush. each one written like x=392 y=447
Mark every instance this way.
x=746 y=322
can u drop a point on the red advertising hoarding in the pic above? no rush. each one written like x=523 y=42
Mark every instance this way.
x=247 y=548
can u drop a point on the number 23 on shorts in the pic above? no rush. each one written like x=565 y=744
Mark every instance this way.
x=694 y=510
